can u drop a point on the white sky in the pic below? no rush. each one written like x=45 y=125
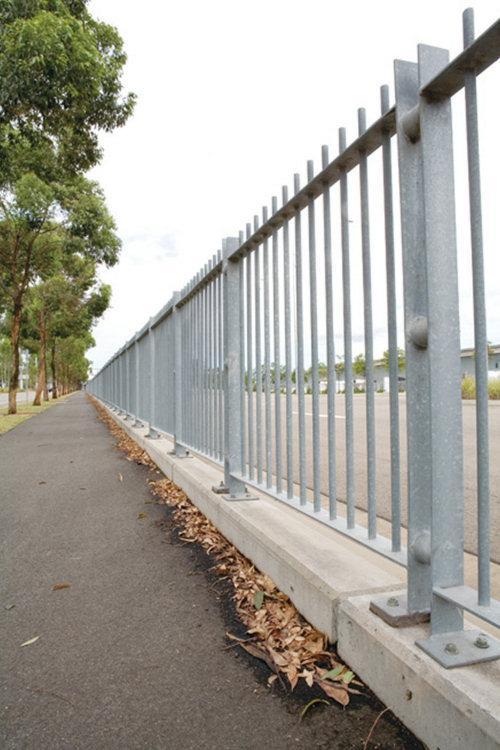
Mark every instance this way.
x=233 y=98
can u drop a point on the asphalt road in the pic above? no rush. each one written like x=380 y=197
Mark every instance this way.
x=132 y=655
x=383 y=465
x=23 y=397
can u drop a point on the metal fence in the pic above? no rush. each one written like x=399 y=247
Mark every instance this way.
x=230 y=367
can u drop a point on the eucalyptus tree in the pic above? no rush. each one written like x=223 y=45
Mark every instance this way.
x=72 y=363
x=60 y=84
x=67 y=303
x=39 y=224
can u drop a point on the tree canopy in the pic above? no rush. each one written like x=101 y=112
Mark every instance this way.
x=60 y=85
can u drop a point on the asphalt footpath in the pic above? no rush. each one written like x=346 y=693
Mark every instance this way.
x=132 y=653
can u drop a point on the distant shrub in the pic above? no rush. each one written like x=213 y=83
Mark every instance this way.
x=494 y=389
x=468 y=387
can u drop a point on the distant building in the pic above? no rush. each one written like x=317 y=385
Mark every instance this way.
x=467 y=364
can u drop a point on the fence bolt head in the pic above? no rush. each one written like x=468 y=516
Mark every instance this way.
x=393 y=602
x=418 y=331
x=481 y=642
x=451 y=648
x=421 y=548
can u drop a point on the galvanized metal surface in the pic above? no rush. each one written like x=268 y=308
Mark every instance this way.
x=211 y=367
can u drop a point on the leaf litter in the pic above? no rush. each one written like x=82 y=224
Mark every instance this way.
x=289 y=645
x=280 y=637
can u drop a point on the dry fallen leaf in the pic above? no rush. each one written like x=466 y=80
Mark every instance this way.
x=289 y=645
x=31 y=640
x=120 y=477
x=258 y=599
x=142 y=514
x=337 y=692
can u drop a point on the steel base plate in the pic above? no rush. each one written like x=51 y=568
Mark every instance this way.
x=220 y=489
x=462 y=648
x=393 y=609
x=239 y=498
x=152 y=434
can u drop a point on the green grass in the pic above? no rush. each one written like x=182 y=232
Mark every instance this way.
x=469 y=388
x=494 y=389
x=24 y=411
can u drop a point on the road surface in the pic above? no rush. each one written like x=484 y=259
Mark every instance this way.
x=23 y=397
x=133 y=654
x=383 y=466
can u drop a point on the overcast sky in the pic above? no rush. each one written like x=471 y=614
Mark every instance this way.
x=233 y=98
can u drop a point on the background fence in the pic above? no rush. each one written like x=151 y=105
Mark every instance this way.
x=234 y=366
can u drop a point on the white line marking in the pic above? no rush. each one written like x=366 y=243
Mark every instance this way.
x=325 y=416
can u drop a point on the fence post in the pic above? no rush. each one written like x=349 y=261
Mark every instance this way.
x=128 y=382
x=122 y=403
x=137 y=385
x=152 y=433
x=449 y=644
x=234 y=486
x=415 y=605
x=179 y=449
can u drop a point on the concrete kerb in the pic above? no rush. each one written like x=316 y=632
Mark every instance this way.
x=331 y=580
x=446 y=708
x=315 y=568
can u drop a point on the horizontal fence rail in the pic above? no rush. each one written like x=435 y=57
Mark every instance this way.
x=251 y=365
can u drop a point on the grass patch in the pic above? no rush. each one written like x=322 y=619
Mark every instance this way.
x=469 y=388
x=494 y=389
x=24 y=411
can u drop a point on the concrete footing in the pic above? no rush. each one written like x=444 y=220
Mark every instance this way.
x=331 y=580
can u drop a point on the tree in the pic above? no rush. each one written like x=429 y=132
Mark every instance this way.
x=401 y=359
x=72 y=363
x=5 y=361
x=67 y=304
x=359 y=365
x=340 y=367
x=40 y=224
x=60 y=84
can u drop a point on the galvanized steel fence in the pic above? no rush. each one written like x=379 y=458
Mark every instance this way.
x=222 y=368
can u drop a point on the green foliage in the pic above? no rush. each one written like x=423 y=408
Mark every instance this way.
x=322 y=372
x=494 y=389
x=469 y=388
x=5 y=360
x=359 y=365
x=60 y=85
x=39 y=221
x=401 y=359
x=60 y=78
x=72 y=364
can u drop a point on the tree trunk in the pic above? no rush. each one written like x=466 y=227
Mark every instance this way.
x=53 y=366
x=41 y=385
x=14 y=340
